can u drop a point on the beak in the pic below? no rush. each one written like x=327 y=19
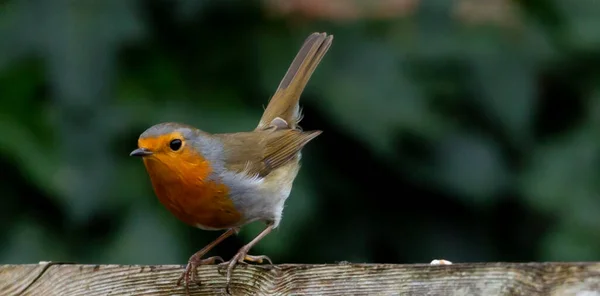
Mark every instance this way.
x=140 y=152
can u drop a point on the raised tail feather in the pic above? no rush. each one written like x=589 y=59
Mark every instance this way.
x=284 y=103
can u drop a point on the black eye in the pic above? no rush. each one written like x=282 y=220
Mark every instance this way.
x=175 y=144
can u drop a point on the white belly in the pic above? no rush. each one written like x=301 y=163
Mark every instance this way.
x=261 y=198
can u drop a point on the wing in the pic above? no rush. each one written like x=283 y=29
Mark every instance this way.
x=261 y=152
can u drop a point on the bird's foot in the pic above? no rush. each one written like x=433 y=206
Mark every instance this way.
x=189 y=275
x=241 y=257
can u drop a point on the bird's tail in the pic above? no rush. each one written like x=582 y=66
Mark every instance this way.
x=283 y=110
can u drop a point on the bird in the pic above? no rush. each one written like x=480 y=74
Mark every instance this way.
x=224 y=181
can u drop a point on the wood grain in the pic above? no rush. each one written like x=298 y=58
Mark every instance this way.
x=328 y=279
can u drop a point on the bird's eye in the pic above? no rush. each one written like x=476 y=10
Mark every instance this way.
x=175 y=144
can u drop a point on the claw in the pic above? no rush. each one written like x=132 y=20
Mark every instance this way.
x=189 y=274
x=241 y=257
x=257 y=259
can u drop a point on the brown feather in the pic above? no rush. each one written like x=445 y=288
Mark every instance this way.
x=284 y=103
x=261 y=152
x=277 y=140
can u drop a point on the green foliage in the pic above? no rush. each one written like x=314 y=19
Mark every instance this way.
x=443 y=139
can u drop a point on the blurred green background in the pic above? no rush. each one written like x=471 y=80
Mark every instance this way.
x=465 y=130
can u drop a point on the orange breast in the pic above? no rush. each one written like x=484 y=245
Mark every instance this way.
x=184 y=188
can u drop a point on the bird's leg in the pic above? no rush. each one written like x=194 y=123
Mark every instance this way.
x=242 y=255
x=196 y=260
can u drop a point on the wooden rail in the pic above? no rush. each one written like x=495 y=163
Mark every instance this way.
x=582 y=279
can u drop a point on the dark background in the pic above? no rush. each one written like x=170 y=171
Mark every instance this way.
x=465 y=130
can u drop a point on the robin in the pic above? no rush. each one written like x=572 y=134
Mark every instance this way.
x=225 y=181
